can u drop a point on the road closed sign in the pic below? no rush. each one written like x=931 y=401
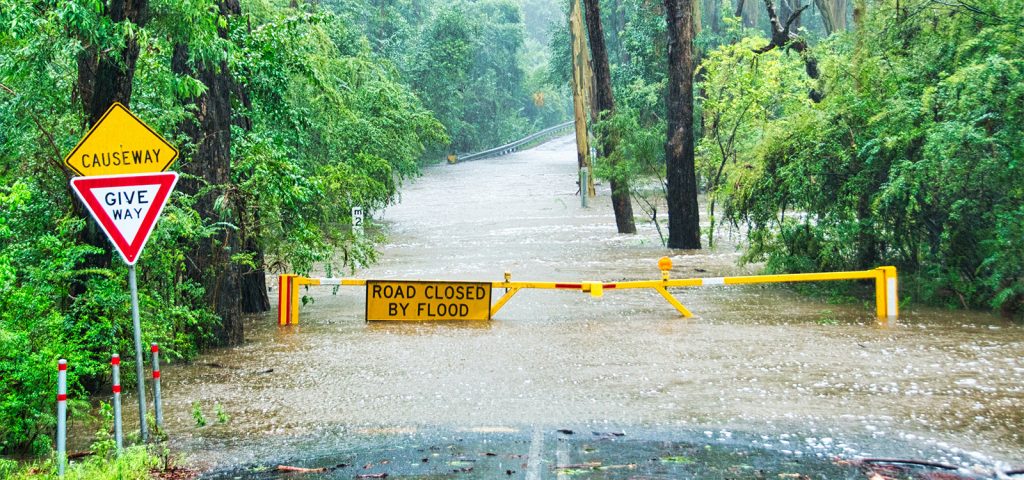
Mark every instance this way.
x=427 y=301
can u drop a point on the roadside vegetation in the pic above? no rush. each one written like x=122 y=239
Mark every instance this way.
x=876 y=133
x=870 y=132
x=287 y=114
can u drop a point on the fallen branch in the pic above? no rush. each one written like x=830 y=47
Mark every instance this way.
x=289 y=468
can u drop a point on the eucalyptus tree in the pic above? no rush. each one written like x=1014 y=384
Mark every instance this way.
x=683 y=214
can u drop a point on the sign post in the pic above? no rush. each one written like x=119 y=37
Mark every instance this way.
x=123 y=185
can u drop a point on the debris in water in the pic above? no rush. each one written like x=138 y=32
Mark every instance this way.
x=289 y=468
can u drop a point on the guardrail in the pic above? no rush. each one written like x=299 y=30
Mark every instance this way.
x=511 y=147
x=884 y=278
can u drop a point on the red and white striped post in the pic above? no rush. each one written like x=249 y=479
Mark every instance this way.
x=115 y=362
x=62 y=414
x=153 y=347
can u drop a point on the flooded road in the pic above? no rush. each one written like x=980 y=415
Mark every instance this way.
x=762 y=368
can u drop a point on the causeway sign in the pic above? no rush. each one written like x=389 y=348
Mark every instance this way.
x=120 y=144
x=427 y=301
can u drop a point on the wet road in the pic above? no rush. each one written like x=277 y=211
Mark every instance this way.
x=760 y=368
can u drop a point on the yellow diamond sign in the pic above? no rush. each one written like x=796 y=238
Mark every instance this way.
x=120 y=144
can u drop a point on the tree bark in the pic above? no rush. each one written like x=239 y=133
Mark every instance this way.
x=208 y=179
x=749 y=11
x=621 y=203
x=102 y=80
x=683 y=216
x=833 y=15
x=716 y=16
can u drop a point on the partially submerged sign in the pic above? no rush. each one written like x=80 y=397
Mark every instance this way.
x=427 y=301
x=126 y=207
x=119 y=144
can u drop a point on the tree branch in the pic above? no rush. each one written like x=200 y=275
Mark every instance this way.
x=57 y=158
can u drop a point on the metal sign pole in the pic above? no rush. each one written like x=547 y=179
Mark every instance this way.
x=137 y=328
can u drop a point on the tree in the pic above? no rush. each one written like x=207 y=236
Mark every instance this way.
x=621 y=203
x=833 y=15
x=782 y=36
x=208 y=179
x=683 y=216
x=105 y=76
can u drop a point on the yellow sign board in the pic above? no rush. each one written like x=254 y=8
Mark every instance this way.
x=120 y=144
x=427 y=301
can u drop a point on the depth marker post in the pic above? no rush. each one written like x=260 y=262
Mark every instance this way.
x=115 y=362
x=62 y=415
x=157 y=410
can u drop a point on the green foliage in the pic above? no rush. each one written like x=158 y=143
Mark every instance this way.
x=197 y=414
x=222 y=416
x=913 y=158
x=741 y=94
x=467 y=69
x=324 y=124
x=332 y=129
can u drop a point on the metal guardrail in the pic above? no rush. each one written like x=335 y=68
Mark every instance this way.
x=511 y=147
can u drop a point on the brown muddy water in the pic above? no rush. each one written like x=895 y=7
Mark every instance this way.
x=761 y=367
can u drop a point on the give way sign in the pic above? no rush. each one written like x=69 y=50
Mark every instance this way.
x=126 y=206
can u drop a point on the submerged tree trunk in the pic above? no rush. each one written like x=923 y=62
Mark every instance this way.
x=621 y=203
x=102 y=80
x=683 y=216
x=210 y=183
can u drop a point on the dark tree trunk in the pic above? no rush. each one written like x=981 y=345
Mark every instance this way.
x=209 y=180
x=683 y=216
x=621 y=203
x=102 y=80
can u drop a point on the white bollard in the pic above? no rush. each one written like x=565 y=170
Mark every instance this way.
x=115 y=362
x=62 y=415
x=156 y=386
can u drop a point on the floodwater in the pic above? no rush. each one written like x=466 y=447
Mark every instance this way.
x=760 y=368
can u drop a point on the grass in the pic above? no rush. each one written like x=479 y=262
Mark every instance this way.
x=135 y=463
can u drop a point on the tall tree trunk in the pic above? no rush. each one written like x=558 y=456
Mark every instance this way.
x=715 y=8
x=618 y=19
x=209 y=180
x=621 y=203
x=749 y=11
x=102 y=80
x=833 y=15
x=683 y=216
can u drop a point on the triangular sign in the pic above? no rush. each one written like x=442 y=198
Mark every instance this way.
x=126 y=206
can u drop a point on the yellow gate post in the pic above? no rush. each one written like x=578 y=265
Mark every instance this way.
x=284 y=296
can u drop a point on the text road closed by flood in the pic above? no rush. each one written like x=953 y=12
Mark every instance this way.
x=426 y=301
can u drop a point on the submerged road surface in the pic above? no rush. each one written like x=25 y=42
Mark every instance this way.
x=762 y=372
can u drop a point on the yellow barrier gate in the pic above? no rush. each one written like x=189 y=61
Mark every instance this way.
x=885 y=279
